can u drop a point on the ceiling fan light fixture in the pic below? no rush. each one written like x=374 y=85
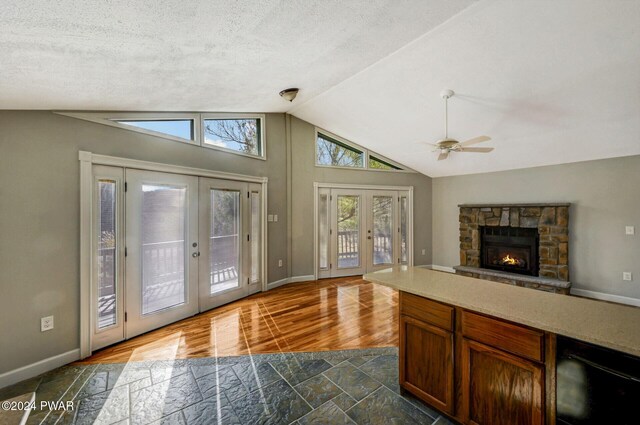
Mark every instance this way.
x=289 y=94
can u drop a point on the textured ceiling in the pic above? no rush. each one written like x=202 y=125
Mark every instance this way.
x=183 y=55
x=551 y=82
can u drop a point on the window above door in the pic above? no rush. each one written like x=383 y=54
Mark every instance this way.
x=334 y=151
x=237 y=133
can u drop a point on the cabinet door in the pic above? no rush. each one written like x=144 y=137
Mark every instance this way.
x=426 y=362
x=499 y=388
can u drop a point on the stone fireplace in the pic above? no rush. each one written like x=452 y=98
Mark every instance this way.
x=519 y=244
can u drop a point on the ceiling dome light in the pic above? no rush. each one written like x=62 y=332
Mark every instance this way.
x=289 y=94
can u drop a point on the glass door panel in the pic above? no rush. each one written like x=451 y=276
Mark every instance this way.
x=256 y=236
x=225 y=226
x=224 y=240
x=404 y=252
x=323 y=232
x=162 y=245
x=108 y=254
x=106 y=258
x=382 y=210
x=347 y=232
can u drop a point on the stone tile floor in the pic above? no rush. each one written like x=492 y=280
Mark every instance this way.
x=335 y=387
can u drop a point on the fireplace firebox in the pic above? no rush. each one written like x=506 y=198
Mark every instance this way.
x=510 y=249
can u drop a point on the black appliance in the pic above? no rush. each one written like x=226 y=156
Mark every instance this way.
x=596 y=385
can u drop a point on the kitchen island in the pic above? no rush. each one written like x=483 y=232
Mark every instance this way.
x=485 y=352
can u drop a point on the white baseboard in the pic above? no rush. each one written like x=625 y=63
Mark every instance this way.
x=438 y=268
x=305 y=278
x=606 y=297
x=35 y=369
x=286 y=280
x=277 y=283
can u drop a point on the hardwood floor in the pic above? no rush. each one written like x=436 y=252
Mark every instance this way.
x=330 y=314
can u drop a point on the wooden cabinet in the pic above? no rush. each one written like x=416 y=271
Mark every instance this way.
x=478 y=369
x=499 y=388
x=426 y=362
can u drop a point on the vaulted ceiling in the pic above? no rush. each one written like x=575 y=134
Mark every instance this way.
x=550 y=82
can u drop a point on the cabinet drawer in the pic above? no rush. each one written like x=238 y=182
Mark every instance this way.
x=428 y=311
x=515 y=339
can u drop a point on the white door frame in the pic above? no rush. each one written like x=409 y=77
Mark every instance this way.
x=87 y=161
x=318 y=185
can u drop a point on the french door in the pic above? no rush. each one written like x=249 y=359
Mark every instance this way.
x=162 y=244
x=230 y=231
x=361 y=230
x=168 y=246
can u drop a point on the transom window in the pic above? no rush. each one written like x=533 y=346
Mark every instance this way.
x=333 y=151
x=241 y=133
x=337 y=154
x=182 y=129
x=380 y=164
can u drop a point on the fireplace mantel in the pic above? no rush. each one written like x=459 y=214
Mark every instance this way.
x=552 y=223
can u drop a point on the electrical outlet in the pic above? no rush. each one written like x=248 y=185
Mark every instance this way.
x=424 y=252
x=630 y=230
x=46 y=323
x=627 y=276
x=279 y=263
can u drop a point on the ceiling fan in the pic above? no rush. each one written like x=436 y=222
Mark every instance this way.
x=448 y=145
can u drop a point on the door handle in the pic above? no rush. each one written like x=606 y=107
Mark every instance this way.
x=195 y=254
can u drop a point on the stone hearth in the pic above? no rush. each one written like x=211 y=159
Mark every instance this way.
x=552 y=222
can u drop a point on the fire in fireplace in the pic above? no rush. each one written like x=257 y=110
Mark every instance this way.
x=511 y=249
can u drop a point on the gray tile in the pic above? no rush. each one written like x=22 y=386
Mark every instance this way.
x=97 y=383
x=276 y=403
x=202 y=370
x=164 y=398
x=104 y=408
x=208 y=412
x=224 y=380
x=421 y=405
x=317 y=390
x=359 y=361
x=126 y=375
x=344 y=401
x=23 y=387
x=255 y=376
x=383 y=369
x=296 y=371
x=385 y=407
x=328 y=413
x=352 y=380
x=163 y=371
x=173 y=419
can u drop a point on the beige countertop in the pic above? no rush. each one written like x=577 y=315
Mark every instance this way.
x=610 y=325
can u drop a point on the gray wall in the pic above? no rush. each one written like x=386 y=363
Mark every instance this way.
x=605 y=196
x=305 y=173
x=39 y=217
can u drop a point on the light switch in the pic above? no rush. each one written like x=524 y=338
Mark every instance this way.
x=626 y=276
x=270 y=217
x=630 y=230
x=275 y=217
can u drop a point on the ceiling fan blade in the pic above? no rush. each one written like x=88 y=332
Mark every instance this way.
x=480 y=150
x=475 y=140
x=443 y=155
